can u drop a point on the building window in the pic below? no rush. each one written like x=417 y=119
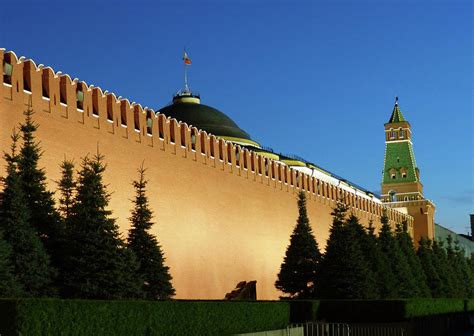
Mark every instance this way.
x=392 y=196
x=402 y=133
x=406 y=198
x=392 y=134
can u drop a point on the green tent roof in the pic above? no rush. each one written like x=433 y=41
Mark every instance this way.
x=399 y=155
x=397 y=115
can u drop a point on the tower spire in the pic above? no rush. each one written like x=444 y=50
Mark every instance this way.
x=186 y=63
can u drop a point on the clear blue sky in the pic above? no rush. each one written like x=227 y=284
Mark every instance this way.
x=316 y=78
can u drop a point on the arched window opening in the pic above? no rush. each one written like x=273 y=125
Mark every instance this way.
x=110 y=111
x=27 y=77
x=149 y=122
x=45 y=83
x=392 y=134
x=392 y=196
x=401 y=132
x=7 y=69
x=80 y=96
x=406 y=198
x=63 y=90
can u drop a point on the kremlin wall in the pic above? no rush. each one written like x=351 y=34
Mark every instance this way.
x=224 y=207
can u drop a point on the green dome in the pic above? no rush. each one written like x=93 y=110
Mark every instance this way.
x=206 y=118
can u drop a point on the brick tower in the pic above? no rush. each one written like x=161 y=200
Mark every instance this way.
x=401 y=185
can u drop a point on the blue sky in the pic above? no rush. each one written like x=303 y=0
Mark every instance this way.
x=316 y=79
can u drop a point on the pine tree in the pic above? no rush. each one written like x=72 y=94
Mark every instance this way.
x=427 y=260
x=298 y=270
x=406 y=284
x=98 y=264
x=30 y=262
x=408 y=250
x=380 y=265
x=344 y=273
x=43 y=215
x=156 y=277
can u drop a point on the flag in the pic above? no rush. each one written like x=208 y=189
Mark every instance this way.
x=186 y=59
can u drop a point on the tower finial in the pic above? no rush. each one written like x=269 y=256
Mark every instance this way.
x=396 y=100
x=187 y=61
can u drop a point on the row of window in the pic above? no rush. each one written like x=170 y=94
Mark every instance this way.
x=393 y=134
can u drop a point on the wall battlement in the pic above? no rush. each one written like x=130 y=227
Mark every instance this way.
x=59 y=95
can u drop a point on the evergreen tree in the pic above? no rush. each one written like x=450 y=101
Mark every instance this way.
x=380 y=265
x=9 y=284
x=428 y=264
x=156 y=276
x=444 y=269
x=408 y=251
x=298 y=270
x=98 y=264
x=344 y=273
x=457 y=266
x=66 y=187
x=30 y=262
x=43 y=216
x=406 y=284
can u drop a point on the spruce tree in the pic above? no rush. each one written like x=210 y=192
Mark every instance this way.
x=43 y=215
x=380 y=265
x=30 y=262
x=344 y=273
x=406 y=284
x=408 y=250
x=298 y=270
x=66 y=188
x=427 y=260
x=457 y=265
x=98 y=264
x=9 y=284
x=461 y=263
x=156 y=277
x=444 y=269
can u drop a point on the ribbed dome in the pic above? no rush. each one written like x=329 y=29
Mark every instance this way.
x=206 y=118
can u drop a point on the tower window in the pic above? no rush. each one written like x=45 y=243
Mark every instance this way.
x=402 y=133
x=406 y=198
x=404 y=175
x=392 y=134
